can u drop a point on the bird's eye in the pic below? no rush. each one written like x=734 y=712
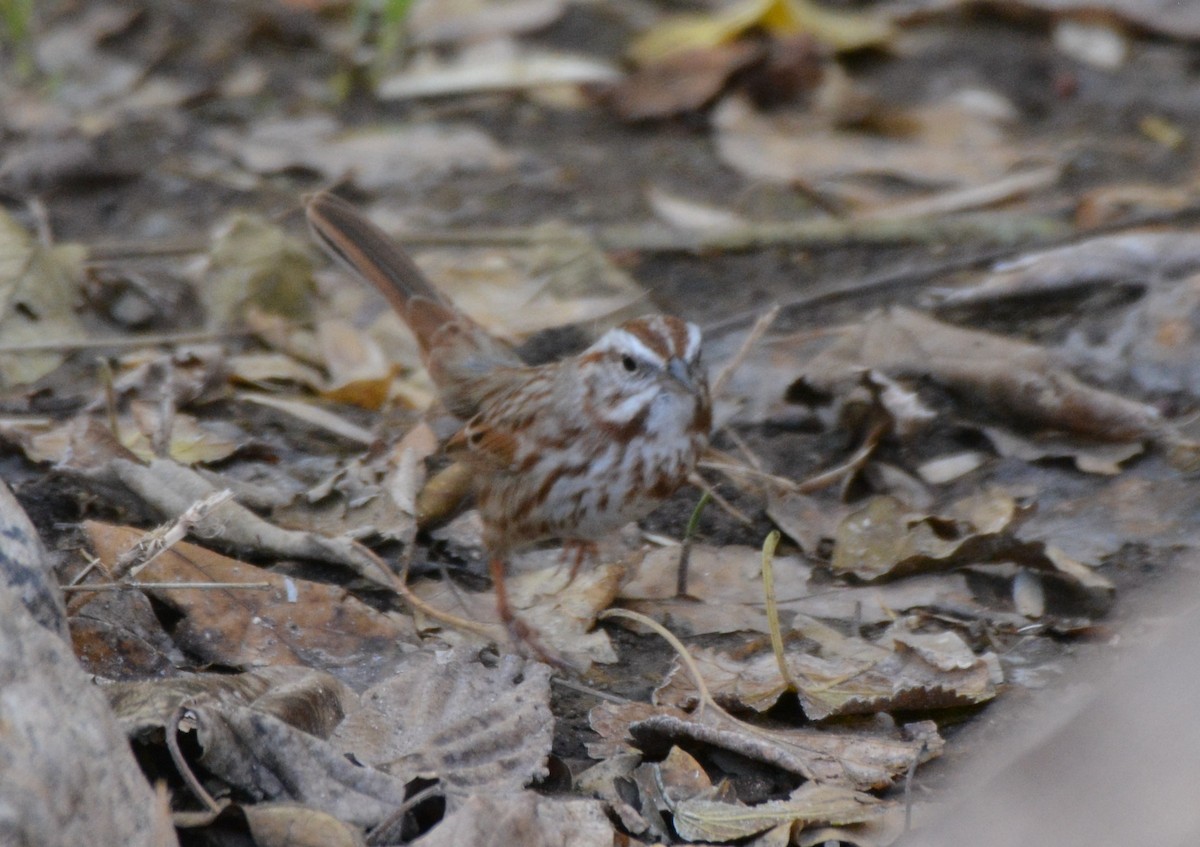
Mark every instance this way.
x=629 y=363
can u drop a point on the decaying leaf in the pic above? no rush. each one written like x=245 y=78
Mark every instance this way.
x=1126 y=259
x=39 y=288
x=295 y=621
x=859 y=760
x=680 y=83
x=290 y=825
x=564 y=278
x=884 y=539
x=478 y=729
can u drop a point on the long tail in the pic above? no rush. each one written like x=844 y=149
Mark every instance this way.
x=459 y=354
x=360 y=246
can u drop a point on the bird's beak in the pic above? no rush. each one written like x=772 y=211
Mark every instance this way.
x=678 y=368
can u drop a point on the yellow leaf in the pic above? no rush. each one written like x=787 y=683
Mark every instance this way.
x=840 y=30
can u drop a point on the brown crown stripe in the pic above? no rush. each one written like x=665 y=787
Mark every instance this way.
x=649 y=332
x=679 y=334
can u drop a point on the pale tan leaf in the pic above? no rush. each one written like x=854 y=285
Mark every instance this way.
x=710 y=820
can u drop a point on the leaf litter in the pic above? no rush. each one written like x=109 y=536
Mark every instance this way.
x=277 y=677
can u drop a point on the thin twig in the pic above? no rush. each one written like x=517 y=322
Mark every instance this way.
x=399 y=583
x=162 y=538
x=382 y=832
x=181 y=764
x=860 y=457
x=147 y=586
x=731 y=469
x=149 y=339
x=752 y=338
x=564 y=682
x=730 y=509
x=706 y=699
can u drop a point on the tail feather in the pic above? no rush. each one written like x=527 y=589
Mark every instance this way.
x=460 y=355
x=350 y=238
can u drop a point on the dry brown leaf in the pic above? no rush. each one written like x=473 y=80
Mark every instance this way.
x=885 y=538
x=1145 y=258
x=683 y=82
x=117 y=635
x=478 y=729
x=295 y=621
x=562 y=279
x=84 y=443
x=359 y=372
x=862 y=761
x=1094 y=458
x=527 y=819
x=261 y=755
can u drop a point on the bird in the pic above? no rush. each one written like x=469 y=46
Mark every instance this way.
x=572 y=449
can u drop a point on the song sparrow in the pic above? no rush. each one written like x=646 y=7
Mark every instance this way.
x=573 y=449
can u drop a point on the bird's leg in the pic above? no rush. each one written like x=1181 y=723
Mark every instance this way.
x=521 y=632
x=582 y=550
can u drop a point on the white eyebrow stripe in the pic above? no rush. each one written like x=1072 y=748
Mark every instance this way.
x=619 y=339
x=693 y=343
